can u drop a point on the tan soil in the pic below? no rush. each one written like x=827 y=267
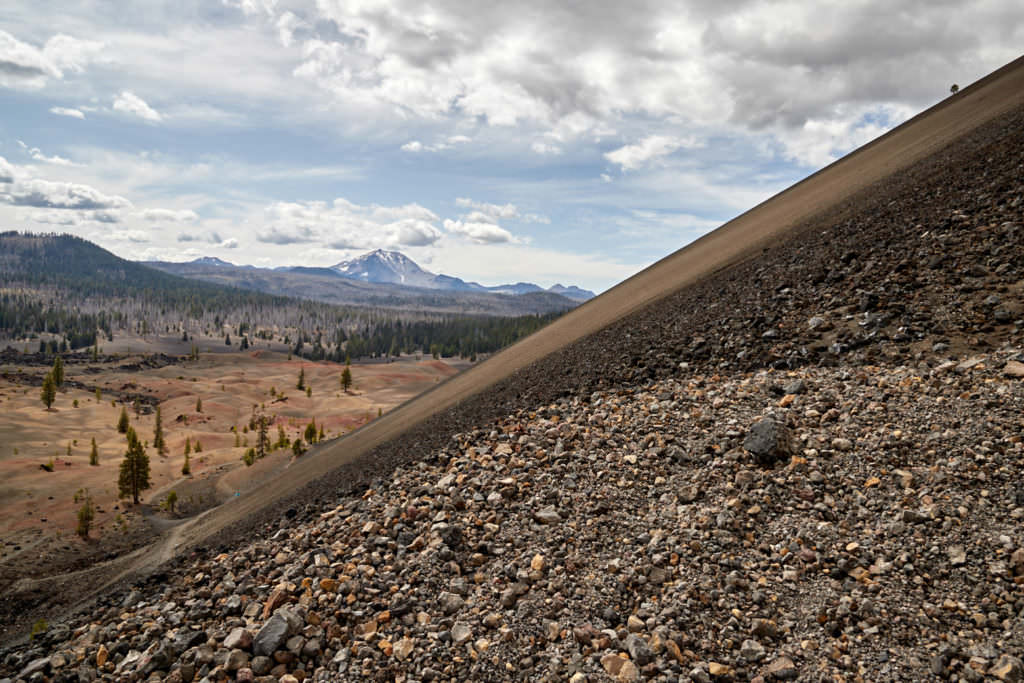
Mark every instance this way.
x=38 y=512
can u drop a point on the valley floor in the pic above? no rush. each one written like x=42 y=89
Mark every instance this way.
x=38 y=507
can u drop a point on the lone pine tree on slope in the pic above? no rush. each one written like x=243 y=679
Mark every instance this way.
x=158 y=435
x=49 y=391
x=134 y=475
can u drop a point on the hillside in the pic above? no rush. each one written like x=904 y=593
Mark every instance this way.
x=799 y=460
x=68 y=288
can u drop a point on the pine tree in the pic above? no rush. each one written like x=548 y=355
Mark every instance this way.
x=199 y=405
x=310 y=433
x=86 y=514
x=346 y=379
x=262 y=439
x=186 y=468
x=58 y=371
x=301 y=384
x=158 y=435
x=94 y=454
x=134 y=475
x=122 y=422
x=49 y=392
x=227 y=340
x=188 y=445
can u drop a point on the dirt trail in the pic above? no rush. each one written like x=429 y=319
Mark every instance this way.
x=735 y=241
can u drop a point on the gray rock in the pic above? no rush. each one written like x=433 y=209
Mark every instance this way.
x=769 y=441
x=189 y=638
x=239 y=638
x=752 y=651
x=236 y=660
x=450 y=602
x=262 y=665
x=461 y=632
x=547 y=515
x=797 y=386
x=41 y=665
x=638 y=650
x=270 y=637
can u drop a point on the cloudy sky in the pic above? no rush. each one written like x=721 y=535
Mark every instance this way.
x=550 y=141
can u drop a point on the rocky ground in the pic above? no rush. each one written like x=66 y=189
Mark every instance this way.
x=802 y=524
x=806 y=467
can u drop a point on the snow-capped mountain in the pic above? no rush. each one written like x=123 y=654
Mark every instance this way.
x=211 y=261
x=393 y=267
x=390 y=267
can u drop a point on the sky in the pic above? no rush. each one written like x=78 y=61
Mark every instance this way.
x=544 y=141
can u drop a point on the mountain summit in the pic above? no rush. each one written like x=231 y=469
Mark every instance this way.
x=390 y=267
x=393 y=267
x=211 y=261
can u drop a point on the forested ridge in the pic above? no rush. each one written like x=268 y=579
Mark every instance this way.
x=67 y=287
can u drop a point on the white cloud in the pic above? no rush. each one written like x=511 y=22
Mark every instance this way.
x=64 y=111
x=545 y=148
x=26 y=65
x=345 y=225
x=494 y=211
x=60 y=195
x=19 y=188
x=251 y=7
x=632 y=157
x=55 y=160
x=480 y=233
x=230 y=243
x=131 y=103
x=448 y=143
x=133 y=236
x=483 y=212
x=287 y=25
x=7 y=172
x=73 y=218
x=169 y=215
x=821 y=141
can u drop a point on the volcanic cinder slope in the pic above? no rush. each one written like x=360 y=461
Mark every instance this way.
x=588 y=503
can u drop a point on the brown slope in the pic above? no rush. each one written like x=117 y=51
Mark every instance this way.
x=515 y=378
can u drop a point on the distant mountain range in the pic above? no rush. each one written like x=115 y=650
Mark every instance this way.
x=382 y=279
x=395 y=268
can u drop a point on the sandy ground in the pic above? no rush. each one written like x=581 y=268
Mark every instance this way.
x=38 y=509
